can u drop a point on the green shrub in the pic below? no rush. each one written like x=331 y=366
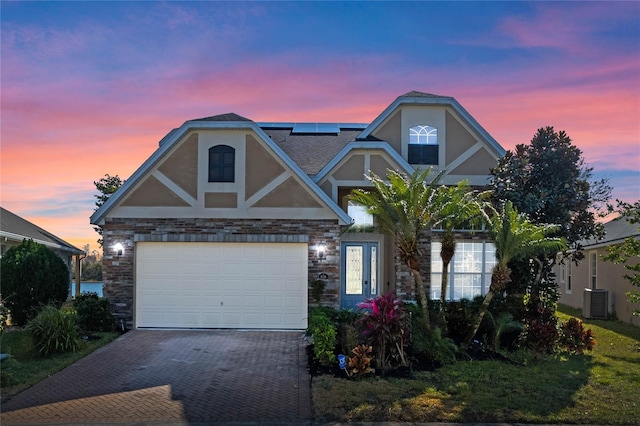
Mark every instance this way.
x=54 y=331
x=317 y=315
x=429 y=350
x=31 y=275
x=324 y=336
x=94 y=313
x=4 y=315
x=348 y=337
x=507 y=332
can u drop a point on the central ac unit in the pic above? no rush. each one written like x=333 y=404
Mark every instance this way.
x=594 y=303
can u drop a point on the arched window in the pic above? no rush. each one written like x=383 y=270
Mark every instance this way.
x=423 y=145
x=423 y=135
x=222 y=161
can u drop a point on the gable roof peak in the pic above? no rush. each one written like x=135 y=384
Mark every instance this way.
x=230 y=116
x=417 y=94
x=16 y=228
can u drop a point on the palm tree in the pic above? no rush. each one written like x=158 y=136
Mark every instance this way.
x=404 y=207
x=515 y=236
x=458 y=205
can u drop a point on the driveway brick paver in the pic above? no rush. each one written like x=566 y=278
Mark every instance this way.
x=176 y=376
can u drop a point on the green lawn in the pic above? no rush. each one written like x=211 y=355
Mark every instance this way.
x=26 y=367
x=600 y=387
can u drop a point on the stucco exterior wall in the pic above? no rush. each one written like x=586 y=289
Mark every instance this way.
x=609 y=276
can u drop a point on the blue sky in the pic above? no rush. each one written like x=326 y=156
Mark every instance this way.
x=89 y=88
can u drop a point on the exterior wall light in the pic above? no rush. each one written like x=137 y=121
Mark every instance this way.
x=321 y=249
x=119 y=249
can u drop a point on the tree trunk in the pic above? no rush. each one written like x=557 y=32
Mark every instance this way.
x=420 y=292
x=444 y=281
x=499 y=279
x=446 y=253
x=476 y=325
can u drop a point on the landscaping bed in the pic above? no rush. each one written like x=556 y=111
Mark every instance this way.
x=596 y=387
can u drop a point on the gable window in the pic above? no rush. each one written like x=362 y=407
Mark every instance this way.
x=423 y=145
x=469 y=270
x=222 y=159
x=359 y=213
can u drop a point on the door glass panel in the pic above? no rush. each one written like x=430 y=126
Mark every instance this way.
x=353 y=274
x=374 y=270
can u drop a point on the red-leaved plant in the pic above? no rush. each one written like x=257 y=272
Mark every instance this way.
x=575 y=338
x=541 y=332
x=384 y=325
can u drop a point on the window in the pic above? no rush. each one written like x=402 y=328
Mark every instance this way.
x=594 y=270
x=222 y=159
x=359 y=213
x=469 y=270
x=423 y=145
x=423 y=135
x=565 y=275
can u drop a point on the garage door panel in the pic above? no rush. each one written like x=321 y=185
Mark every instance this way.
x=221 y=285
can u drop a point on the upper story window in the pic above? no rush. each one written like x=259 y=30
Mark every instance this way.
x=424 y=135
x=423 y=145
x=359 y=213
x=222 y=159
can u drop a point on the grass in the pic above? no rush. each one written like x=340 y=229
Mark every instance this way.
x=601 y=387
x=26 y=367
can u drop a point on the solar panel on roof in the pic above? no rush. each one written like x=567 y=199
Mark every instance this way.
x=328 y=128
x=324 y=128
x=276 y=125
x=305 y=128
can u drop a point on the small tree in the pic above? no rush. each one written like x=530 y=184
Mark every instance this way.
x=629 y=251
x=106 y=186
x=549 y=181
x=514 y=237
x=405 y=207
x=458 y=206
x=32 y=276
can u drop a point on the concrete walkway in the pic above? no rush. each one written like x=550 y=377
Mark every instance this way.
x=176 y=377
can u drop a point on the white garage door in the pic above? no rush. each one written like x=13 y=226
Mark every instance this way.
x=221 y=285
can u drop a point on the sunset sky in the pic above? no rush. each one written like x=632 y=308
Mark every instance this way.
x=89 y=88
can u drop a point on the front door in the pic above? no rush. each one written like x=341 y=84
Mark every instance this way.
x=359 y=272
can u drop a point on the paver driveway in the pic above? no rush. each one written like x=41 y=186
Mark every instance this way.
x=176 y=376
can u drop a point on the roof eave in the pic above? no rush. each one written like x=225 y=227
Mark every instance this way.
x=440 y=100
x=19 y=238
x=98 y=216
x=363 y=145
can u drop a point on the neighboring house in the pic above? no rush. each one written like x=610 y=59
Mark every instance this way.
x=229 y=221
x=597 y=286
x=14 y=230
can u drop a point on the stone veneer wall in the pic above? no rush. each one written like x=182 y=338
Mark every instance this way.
x=405 y=284
x=118 y=271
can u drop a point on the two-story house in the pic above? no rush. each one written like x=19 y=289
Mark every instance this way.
x=228 y=222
